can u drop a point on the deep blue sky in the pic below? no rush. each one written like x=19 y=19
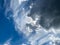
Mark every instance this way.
x=7 y=29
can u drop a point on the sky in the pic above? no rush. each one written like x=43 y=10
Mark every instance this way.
x=7 y=29
x=29 y=22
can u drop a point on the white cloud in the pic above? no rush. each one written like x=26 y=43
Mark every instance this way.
x=20 y=1
x=23 y=44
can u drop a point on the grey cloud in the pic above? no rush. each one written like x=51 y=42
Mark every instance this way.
x=48 y=9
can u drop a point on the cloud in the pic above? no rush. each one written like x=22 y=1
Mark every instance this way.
x=25 y=21
x=48 y=10
x=20 y=1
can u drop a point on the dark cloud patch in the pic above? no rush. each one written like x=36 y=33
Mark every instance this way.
x=57 y=42
x=48 y=10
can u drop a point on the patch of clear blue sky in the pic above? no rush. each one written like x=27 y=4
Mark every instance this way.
x=7 y=29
